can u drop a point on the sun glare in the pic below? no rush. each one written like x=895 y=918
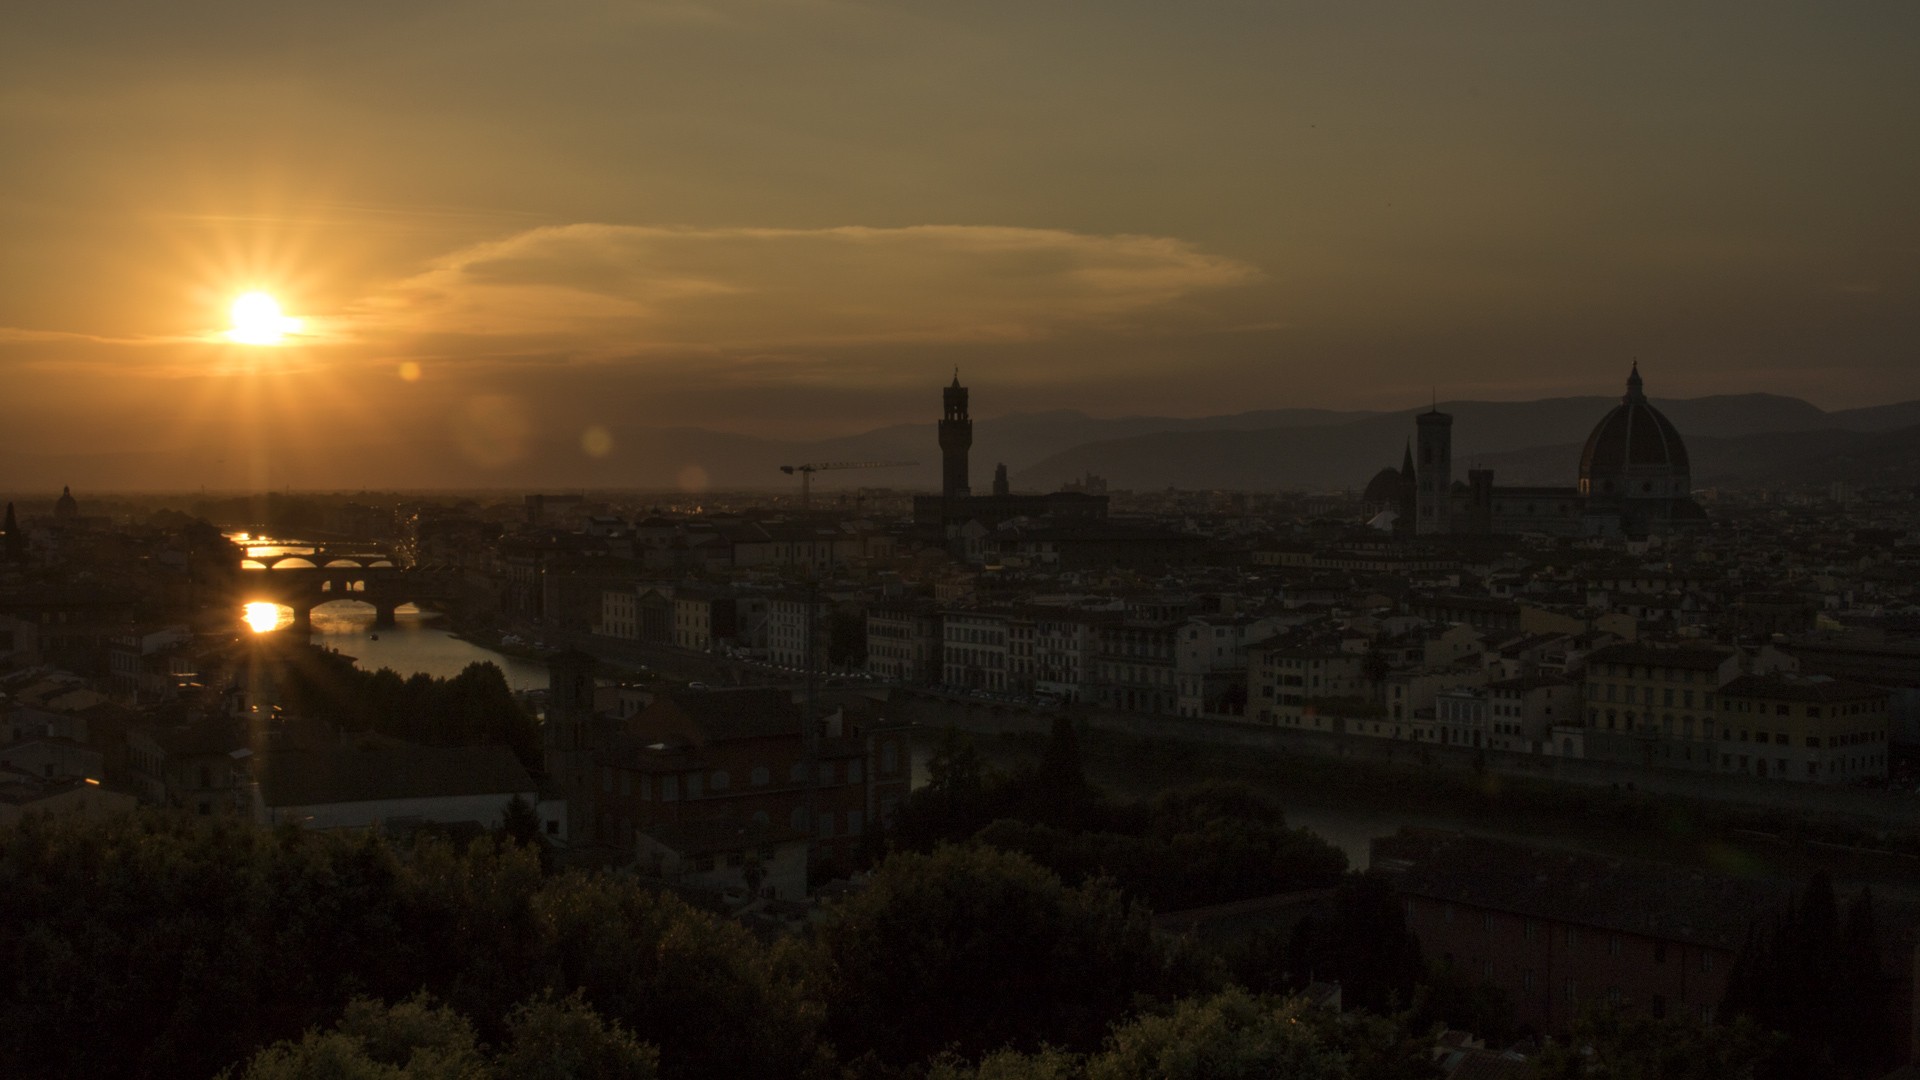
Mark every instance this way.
x=262 y=617
x=257 y=320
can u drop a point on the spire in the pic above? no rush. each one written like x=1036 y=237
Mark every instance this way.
x=1406 y=463
x=1634 y=393
x=956 y=376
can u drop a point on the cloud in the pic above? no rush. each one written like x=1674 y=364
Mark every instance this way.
x=614 y=289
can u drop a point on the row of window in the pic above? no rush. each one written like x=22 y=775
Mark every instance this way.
x=1643 y=695
x=1648 y=671
x=1835 y=766
x=981 y=658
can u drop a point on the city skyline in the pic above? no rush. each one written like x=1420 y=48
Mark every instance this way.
x=498 y=227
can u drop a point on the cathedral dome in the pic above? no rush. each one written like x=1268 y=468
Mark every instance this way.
x=1635 y=452
x=67 y=508
x=1384 y=489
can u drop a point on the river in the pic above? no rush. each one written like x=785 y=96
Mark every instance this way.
x=417 y=643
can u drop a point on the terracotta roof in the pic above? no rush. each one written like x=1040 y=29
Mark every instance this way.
x=1795 y=689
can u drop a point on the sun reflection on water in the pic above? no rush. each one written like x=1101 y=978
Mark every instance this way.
x=262 y=617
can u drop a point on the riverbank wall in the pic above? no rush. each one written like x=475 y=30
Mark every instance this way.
x=1871 y=808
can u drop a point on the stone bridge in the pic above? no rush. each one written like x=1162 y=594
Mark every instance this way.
x=304 y=582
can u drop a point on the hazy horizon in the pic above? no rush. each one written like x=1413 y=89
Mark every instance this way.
x=500 y=227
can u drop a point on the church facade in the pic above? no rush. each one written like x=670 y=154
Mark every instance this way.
x=1635 y=480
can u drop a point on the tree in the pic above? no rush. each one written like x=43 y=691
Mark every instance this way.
x=520 y=823
x=1364 y=944
x=1228 y=1036
x=1059 y=785
x=1818 y=984
x=564 y=1039
x=1630 y=1045
x=1867 y=1047
x=976 y=949
x=16 y=542
x=418 y=1039
x=415 y=1039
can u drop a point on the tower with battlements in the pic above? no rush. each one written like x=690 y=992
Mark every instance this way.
x=956 y=439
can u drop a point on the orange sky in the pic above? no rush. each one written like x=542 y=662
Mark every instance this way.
x=795 y=217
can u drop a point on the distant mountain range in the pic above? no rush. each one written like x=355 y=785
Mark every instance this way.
x=1524 y=442
x=1733 y=439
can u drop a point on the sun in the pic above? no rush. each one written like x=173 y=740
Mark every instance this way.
x=257 y=320
x=262 y=617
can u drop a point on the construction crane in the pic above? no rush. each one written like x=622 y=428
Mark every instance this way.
x=806 y=472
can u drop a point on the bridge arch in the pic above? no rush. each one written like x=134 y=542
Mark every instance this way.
x=303 y=586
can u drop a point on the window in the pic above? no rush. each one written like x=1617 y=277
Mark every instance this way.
x=720 y=781
x=760 y=776
x=1613 y=944
x=825 y=825
x=695 y=786
x=1659 y=952
x=798 y=819
x=854 y=771
x=826 y=773
x=856 y=822
x=669 y=789
x=1572 y=936
x=1613 y=996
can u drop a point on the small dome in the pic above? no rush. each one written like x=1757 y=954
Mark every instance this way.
x=1384 y=489
x=68 y=506
x=1634 y=450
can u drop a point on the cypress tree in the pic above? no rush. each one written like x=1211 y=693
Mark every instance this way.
x=1863 y=1007
x=16 y=543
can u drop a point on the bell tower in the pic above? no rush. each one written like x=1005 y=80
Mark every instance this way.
x=956 y=438
x=1434 y=499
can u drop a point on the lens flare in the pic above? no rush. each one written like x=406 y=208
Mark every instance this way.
x=262 y=617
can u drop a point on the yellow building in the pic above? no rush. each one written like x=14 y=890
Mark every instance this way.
x=1286 y=675
x=1657 y=706
x=1818 y=730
